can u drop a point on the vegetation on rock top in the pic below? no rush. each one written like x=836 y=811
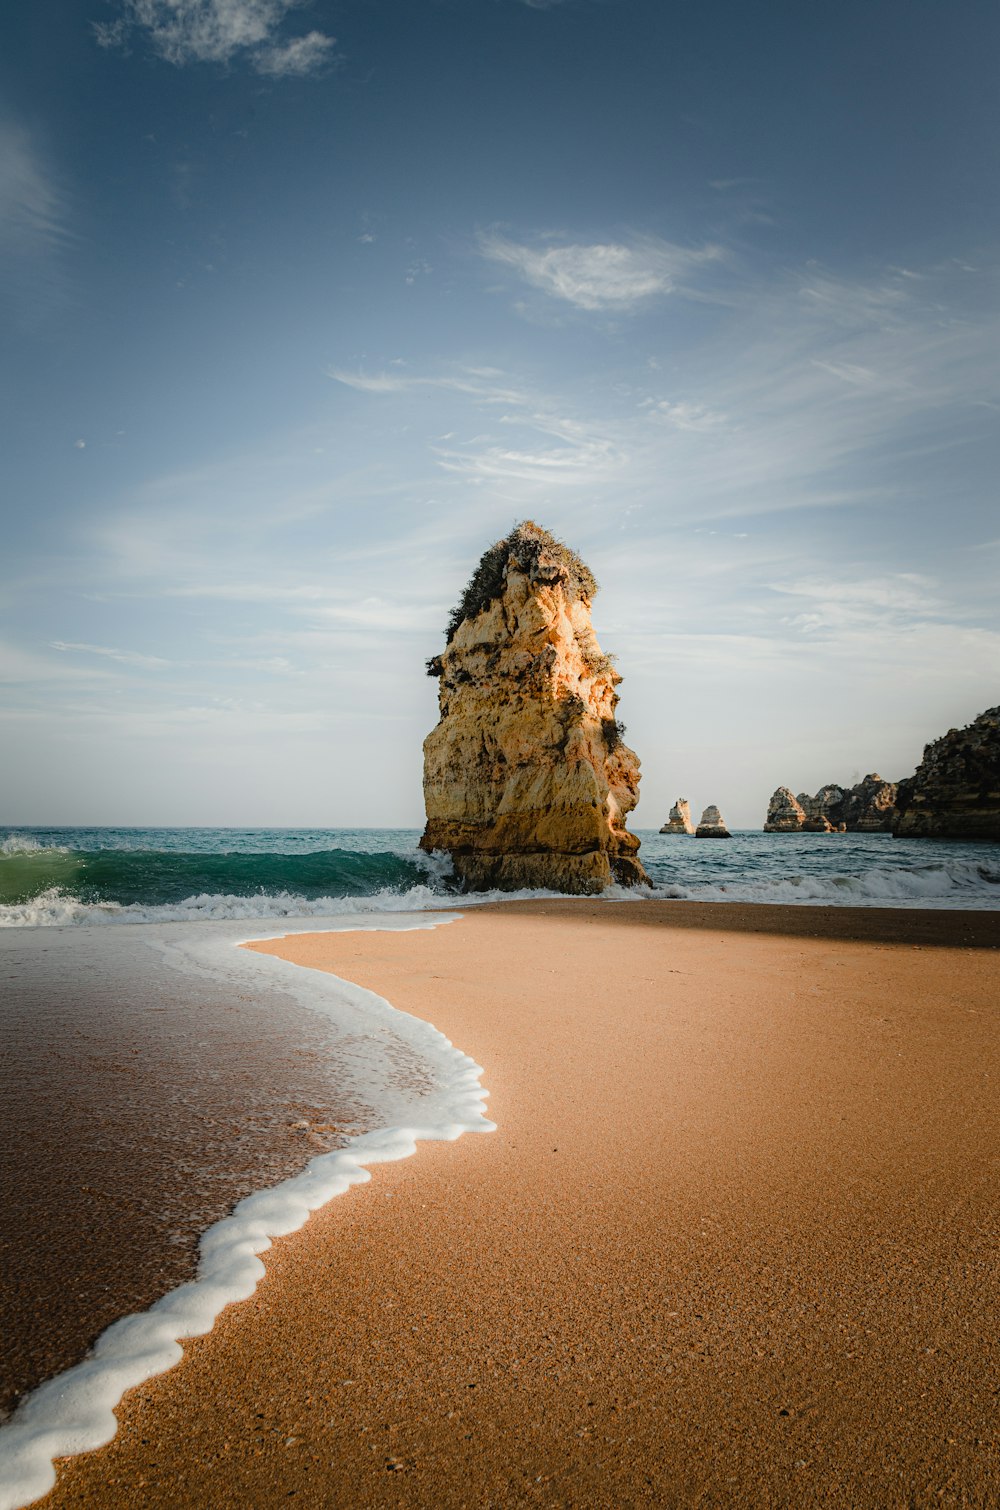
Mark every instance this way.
x=526 y=542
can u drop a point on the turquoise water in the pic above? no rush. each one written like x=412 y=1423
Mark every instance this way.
x=77 y=875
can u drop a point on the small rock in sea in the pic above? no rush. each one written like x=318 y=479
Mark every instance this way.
x=712 y=825
x=679 y=821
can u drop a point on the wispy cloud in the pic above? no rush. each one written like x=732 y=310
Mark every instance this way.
x=684 y=415
x=875 y=605
x=125 y=657
x=812 y=391
x=34 y=222
x=32 y=208
x=480 y=383
x=601 y=276
x=299 y=56
x=559 y=466
x=219 y=31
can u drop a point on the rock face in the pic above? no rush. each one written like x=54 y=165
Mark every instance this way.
x=712 y=826
x=871 y=805
x=784 y=813
x=955 y=790
x=527 y=780
x=867 y=808
x=679 y=821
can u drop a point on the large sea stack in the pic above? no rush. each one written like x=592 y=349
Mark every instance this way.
x=955 y=791
x=527 y=780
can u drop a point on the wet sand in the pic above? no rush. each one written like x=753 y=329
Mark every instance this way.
x=136 y=1107
x=734 y=1243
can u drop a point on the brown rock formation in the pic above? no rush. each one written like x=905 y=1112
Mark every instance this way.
x=818 y=812
x=527 y=781
x=679 y=821
x=869 y=807
x=784 y=813
x=955 y=791
x=711 y=825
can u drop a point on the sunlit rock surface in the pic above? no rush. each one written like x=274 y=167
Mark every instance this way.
x=527 y=779
x=679 y=821
x=784 y=813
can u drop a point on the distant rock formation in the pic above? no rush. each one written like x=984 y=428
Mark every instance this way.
x=679 y=821
x=868 y=808
x=711 y=825
x=871 y=806
x=784 y=813
x=955 y=791
x=527 y=780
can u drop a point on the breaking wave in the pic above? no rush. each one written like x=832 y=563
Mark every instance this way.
x=956 y=884
x=73 y=877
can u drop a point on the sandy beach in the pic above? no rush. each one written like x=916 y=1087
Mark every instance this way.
x=733 y=1243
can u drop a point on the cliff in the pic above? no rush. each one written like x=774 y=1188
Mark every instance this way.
x=679 y=821
x=527 y=780
x=955 y=791
x=869 y=807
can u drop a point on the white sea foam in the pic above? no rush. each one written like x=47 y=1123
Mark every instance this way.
x=26 y=844
x=74 y=1412
x=957 y=884
x=954 y=884
x=53 y=908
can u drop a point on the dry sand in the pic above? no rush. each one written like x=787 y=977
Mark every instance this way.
x=734 y=1243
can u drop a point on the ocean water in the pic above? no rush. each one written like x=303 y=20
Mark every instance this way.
x=53 y=876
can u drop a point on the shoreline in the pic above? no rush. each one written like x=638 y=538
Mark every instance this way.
x=138 y=1107
x=304 y=1030
x=735 y=1246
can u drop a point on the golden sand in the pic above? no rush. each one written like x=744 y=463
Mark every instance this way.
x=733 y=1244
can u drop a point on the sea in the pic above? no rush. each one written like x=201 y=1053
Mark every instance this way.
x=82 y=876
x=171 y=1102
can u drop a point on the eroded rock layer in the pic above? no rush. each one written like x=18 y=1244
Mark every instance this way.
x=679 y=821
x=955 y=790
x=527 y=780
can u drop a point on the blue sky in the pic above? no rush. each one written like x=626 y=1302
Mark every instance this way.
x=305 y=304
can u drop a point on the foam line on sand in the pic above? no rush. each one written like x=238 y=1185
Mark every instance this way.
x=74 y=1412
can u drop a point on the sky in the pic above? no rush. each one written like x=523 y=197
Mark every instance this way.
x=304 y=305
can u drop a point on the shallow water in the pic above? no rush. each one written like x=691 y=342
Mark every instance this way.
x=151 y=1080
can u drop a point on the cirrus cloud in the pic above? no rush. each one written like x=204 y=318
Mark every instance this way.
x=604 y=275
